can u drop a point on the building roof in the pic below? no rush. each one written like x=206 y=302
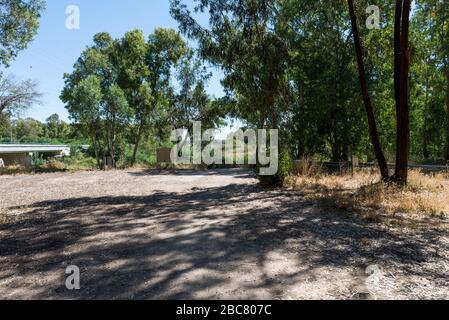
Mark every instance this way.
x=25 y=148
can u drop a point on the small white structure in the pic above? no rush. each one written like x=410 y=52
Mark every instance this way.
x=21 y=154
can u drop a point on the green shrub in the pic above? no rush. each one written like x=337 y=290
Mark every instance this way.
x=285 y=169
x=144 y=157
x=79 y=161
x=37 y=162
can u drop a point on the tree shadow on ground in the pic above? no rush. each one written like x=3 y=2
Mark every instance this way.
x=190 y=245
x=234 y=172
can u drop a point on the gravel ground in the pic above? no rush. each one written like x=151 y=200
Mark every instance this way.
x=196 y=235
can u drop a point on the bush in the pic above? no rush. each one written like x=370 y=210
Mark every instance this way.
x=13 y=169
x=144 y=157
x=51 y=166
x=79 y=161
x=308 y=168
x=37 y=162
x=285 y=169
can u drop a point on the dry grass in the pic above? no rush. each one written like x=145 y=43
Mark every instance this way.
x=52 y=166
x=4 y=218
x=424 y=200
x=308 y=168
x=13 y=169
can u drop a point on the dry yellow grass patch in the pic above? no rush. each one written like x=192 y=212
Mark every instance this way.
x=13 y=169
x=3 y=217
x=426 y=198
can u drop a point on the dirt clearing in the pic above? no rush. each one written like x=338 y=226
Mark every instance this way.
x=202 y=235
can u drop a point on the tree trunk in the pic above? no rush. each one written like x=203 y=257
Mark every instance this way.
x=425 y=140
x=94 y=143
x=447 y=128
x=136 y=143
x=373 y=132
x=114 y=141
x=301 y=149
x=403 y=126
x=109 y=133
x=336 y=149
x=111 y=125
x=425 y=149
x=397 y=70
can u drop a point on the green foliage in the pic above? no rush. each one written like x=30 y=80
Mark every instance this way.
x=19 y=21
x=144 y=157
x=121 y=92
x=29 y=129
x=287 y=64
x=285 y=169
x=56 y=128
x=325 y=115
x=79 y=161
x=125 y=80
x=285 y=165
x=191 y=102
x=242 y=40
x=53 y=131
x=291 y=64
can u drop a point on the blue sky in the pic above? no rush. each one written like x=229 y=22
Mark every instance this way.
x=55 y=48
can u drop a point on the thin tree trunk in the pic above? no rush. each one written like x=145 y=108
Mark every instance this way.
x=137 y=142
x=111 y=142
x=425 y=147
x=447 y=128
x=301 y=145
x=397 y=72
x=374 y=134
x=403 y=130
x=94 y=143
x=261 y=121
x=272 y=113
x=109 y=134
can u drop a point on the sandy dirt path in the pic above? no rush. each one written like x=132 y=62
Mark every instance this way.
x=201 y=235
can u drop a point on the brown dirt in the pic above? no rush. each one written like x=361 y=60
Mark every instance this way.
x=202 y=235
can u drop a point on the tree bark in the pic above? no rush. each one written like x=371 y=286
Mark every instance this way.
x=403 y=126
x=114 y=141
x=136 y=144
x=373 y=132
x=301 y=149
x=109 y=133
x=95 y=145
x=397 y=69
x=447 y=125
